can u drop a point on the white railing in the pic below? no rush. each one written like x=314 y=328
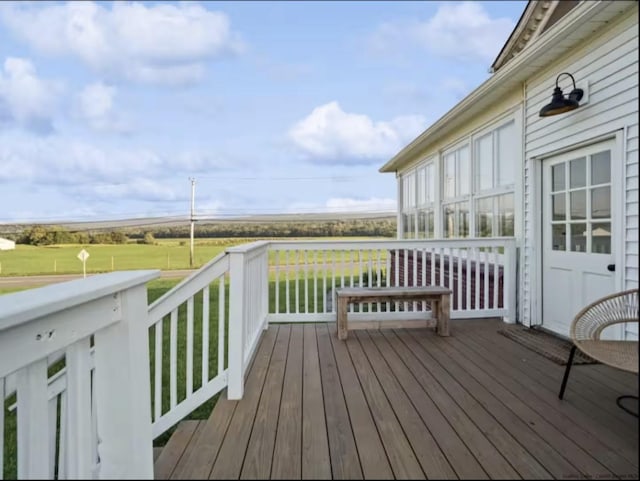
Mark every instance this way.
x=128 y=371
x=249 y=275
x=480 y=272
x=187 y=333
x=92 y=418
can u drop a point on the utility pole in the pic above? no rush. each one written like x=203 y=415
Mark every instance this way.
x=193 y=196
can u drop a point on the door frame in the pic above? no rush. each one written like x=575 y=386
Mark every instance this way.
x=617 y=216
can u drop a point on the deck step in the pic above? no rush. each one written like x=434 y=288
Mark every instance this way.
x=171 y=453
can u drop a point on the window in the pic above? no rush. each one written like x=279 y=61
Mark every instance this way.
x=426 y=199
x=494 y=162
x=456 y=188
x=581 y=204
x=418 y=198
x=408 y=205
x=477 y=189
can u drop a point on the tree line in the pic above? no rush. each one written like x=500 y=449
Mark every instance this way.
x=40 y=235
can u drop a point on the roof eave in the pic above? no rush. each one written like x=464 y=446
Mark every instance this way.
x=517 y=70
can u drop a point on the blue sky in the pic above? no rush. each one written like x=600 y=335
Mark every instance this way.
x=107 y=109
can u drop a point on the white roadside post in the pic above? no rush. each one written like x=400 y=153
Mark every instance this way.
x=83 y=255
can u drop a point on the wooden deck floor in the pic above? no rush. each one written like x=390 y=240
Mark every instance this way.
x=408 y=404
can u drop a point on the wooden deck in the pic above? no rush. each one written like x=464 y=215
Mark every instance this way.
x=406 y=403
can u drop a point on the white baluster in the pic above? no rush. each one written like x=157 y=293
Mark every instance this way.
x=205 y=335
x=79 y=410
x=32 y=416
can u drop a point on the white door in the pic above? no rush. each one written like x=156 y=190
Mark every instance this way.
x=578 y=233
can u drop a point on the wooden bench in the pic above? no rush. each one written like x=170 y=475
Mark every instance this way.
x=438 y=297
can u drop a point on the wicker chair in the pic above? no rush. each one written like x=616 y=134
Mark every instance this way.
x=588 y=325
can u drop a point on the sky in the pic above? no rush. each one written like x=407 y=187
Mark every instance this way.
x=107 y=110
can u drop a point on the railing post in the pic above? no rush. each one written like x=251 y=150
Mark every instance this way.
x=510 y=281
x=237 y=306
x=123 y=392
x=264 y=311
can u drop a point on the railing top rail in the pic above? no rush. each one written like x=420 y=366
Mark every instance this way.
x=25 y=306
x=188 y=287
x=248 y=247
x=399 y=243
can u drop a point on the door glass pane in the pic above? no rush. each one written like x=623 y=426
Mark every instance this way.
x=559 y=240
x=601 y=238
x=578 y=173
x=505 y=215
x=557 y=177
x=601 y=203
x=559 y=207
x=601 y=168
x=578 y=206
x=484 y=217
x=578 y=237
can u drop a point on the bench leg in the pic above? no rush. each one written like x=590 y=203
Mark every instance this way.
x=435 y=311
x=443 y=317
x=342 y=318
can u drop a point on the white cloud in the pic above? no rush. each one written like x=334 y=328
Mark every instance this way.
x=151 y=44
x=95 y=105
x=463 y=31
x=330 y=135
x=56 y=160
x=27 y=99
x=134 y=189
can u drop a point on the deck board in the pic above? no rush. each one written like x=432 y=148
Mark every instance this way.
x=174 y=449
x=229 y=462
x=547 y=404
x=410 y=446
x=315 y=445
x=404 y=391
x=373 y=457
x=543 y=425
x=287 y=454
x=345 y=463
x=257 y=461
x=406 y=403
x=593 y=398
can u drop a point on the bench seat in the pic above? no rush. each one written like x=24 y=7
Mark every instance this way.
x=438 y=297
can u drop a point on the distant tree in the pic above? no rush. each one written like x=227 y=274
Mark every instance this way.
x=148 y=238
x=39 y=236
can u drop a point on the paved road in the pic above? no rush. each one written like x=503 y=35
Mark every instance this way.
x=35 y=281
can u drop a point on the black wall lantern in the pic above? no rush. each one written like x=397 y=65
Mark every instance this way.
x=561 y=104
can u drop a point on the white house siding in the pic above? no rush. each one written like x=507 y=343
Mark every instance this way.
x=609 y=64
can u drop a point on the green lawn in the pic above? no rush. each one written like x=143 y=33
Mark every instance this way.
x=165 y=254
x=62 y=259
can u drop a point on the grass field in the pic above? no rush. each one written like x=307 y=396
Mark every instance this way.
x=165 y=254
